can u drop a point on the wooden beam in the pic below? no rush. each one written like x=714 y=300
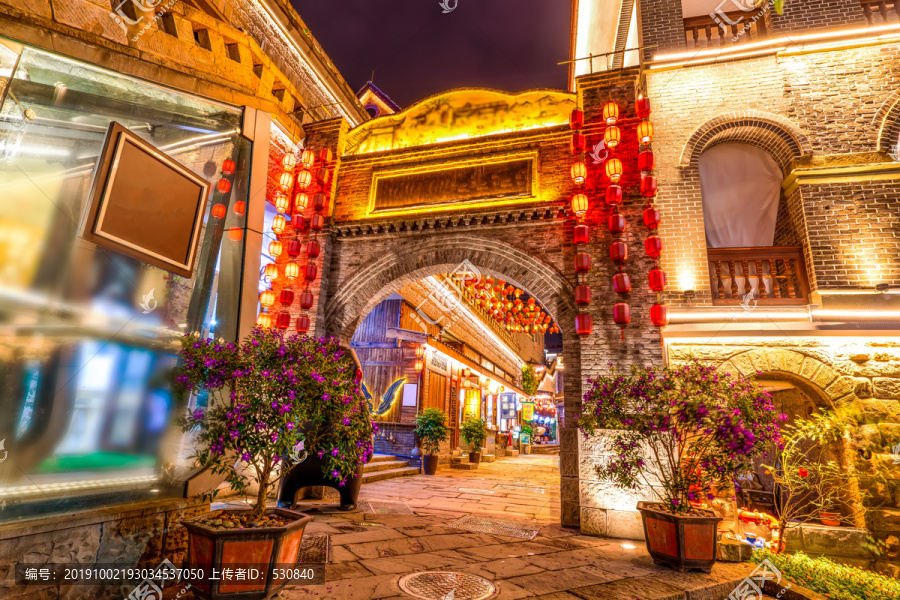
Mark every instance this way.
x=385 y=363
x=407 y=335
x=444 y=348
x=389 y=345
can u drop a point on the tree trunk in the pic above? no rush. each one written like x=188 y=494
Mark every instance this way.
x=260 y=509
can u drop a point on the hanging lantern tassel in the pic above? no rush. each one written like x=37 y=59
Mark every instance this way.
x=622 y=316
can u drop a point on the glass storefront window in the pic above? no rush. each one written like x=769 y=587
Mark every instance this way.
x=88 y=336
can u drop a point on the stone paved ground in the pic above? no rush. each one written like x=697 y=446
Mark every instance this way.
x=370 y=552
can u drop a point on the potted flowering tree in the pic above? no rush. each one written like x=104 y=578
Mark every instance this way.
x=271 y=400
x=678 y=432
x=472 y=431
x=431 y=429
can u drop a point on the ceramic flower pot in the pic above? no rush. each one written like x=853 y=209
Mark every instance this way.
x=430 y=464
x=213 y=548
x=680 y=541
x=475 y=457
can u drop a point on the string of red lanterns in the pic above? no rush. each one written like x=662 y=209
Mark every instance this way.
x=504 y=303
x=581 y=236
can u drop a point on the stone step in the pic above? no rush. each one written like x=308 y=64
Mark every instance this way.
x=463 y=465
x=382 y=475
x=512 y=453
x=381 y=458
x=385 y=465
x=488 y=458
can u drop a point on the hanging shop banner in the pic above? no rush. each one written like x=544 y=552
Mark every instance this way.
x=507 y=406
x=527 y=411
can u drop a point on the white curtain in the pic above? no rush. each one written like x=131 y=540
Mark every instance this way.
x=741 y=187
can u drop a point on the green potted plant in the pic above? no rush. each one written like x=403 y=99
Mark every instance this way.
x=273 y=400
x=677 y=432
x=431 y=429
x=474 y=434
x=526 y=437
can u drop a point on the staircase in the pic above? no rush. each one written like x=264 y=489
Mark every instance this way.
x=461 y=461
x=384 y=466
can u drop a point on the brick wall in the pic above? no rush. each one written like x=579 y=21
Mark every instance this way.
x=661 y=24
x=804 y=15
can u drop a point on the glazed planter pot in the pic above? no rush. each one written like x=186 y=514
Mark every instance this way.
x=263 y=548
x=475 y=457
x=680 y=541
x=309 y=473
x=429 y=464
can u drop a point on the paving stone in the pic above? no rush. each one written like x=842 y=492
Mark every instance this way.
x=503 y=569
x=443 y=559
x=629 y=589
x=566 y=579
x=507 y=550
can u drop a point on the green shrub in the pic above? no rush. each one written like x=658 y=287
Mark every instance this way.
x=431 y=427
x=831 y=579
x=473 y=433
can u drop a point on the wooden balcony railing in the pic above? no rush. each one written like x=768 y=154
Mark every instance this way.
x=880 y=11
x=769 y=275
x=723 y=29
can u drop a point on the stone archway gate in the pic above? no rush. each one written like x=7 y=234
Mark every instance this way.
x=484 y=177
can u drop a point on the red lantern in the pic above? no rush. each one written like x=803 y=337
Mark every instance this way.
x=317 y=222
x=240 y=207
x=286 y=181
x=275 y=248
x=614 y=195
x=267 y=298
x=224 y=186
x=218 y=211
x=621 y=283
x=281 y=202
x=291 y=270
x=319 y=202
x=579 y=173
x=264 y=321
x=646 y=160
x=618 y=252
x=648 y=186
x=310 y=273
x=622 y=316
x=653 y=246
x=582 y=295
x=271 y=272
x=304 y=178
x=306 y=300
x=312 y=248
x=610 y=112
x=301 y=201
x=645 y=132
x=582 y=263
x=303 y=324
x=289 y=161
x=642 y=107
x=657 y=279
x=576 y=119
x=582 y=234
x=292 y=248
x=307 y=158
x=614 y=169
x=577 y=143
x=579 y=204
x=652 y=217
x=278 y=224
x=659 y=315
x=616 y=223
x=584 y=324
x=323 y=176
x=612 y=136
x=228 y=167
x=286 y=298
x=298 y=223
x=235 y=234
x=325 y=155
x=419 y=365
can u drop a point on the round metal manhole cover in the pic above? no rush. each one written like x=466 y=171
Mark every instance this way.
x=445 y=585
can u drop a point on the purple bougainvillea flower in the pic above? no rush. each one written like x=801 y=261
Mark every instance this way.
x=335 y=451
x=335 y=474
x=246 y=457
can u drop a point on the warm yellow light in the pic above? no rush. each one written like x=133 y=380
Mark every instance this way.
x=281 y=202
x=301 y=201
x=614 y=169
x=278 y=224
x=579 y=204
x=645 y=132
x=292 y=270
x=308 y=158
x=612 y=136
x=271 y=271
x=286 y=181
x=686 y=279
x=264 y=321
x=267 y=298
x=275 y=249
x=289 y=161
x=611 y=113
x=304 y=178
x=579 y=173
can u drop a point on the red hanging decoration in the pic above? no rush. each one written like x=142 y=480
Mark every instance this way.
x=303 y=324
x=582 y=295
x=235 y=234
x=582 y=263
x=319 y=202
x=240 y=208
x=283 y=321
x=621 y=283
x=646 y=160
x=579 y=204
x=228 y=167
x=584 y=324
x=622 y=316
x=610 y=112
x=614 y=195
x=312 y=248
x=309 y=274
x=648 y=186
x=218 y=211
x=642 y=107
x=287 y=297
x=618 y=252
x=577 y=143
x=306 y=300
x=576 y=119
x=298 y=223
x=317 y=222
x=323 y=176
x=325 y=155
x=616 y=223
x=659 y=315
x=653 y=246
x=657 y=279
x=224 y=186
x=582 y=234
x=652 y=217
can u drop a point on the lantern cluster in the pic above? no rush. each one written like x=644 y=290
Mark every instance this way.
x=219 y=210
x=310 y=175
x=583 y=322
x=659 y=312
x=505 y=305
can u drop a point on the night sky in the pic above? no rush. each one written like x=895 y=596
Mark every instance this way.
x=416 y=50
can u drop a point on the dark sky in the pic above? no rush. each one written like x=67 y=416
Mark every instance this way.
x=416 y=50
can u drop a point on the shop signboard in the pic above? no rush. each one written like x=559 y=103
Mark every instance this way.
x=527 y=411
x=507 y=406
